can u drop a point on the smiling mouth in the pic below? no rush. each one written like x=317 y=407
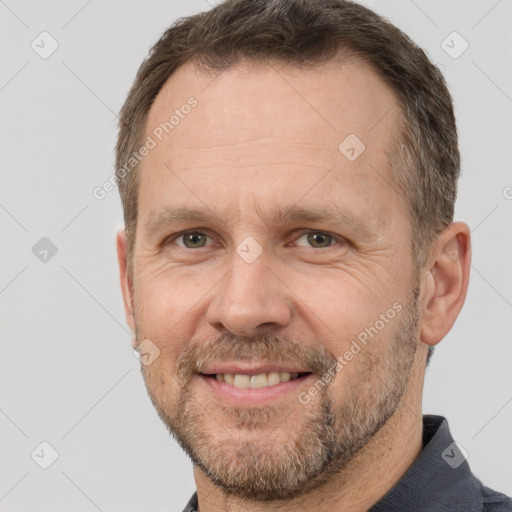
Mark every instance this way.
x=261 y=380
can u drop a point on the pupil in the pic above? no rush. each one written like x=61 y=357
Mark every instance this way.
x=319 y=239
x=195 y=239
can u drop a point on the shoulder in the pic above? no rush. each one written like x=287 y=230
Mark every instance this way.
x=494 y=501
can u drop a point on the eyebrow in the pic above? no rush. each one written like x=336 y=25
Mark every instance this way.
x=166 y=217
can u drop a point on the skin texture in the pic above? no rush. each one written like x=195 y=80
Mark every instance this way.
x=263 y=138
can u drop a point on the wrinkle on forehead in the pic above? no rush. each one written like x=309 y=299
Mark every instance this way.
x=255 y=151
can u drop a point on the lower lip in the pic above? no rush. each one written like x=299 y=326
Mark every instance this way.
x=254 y=396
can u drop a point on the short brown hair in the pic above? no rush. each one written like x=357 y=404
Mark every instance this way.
x=424 y=159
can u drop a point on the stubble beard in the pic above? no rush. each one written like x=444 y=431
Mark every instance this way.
x=278 y=453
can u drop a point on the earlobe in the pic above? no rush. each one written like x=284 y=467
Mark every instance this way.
x=126 y=286
x=446 y=283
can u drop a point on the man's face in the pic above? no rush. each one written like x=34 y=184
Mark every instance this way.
x=302 y=258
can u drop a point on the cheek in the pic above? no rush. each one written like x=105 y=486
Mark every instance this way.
x=157 y=315
x=339 y=305
x=353 y=321
x=165 y=298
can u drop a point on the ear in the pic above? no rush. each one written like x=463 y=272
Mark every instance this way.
x=446 y=282
x=126 y=285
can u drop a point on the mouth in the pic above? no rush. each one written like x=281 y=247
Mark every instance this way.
x=252 y=384
x=249 y=383
x=255 y=381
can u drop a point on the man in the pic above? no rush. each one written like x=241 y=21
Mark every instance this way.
x=288 y=172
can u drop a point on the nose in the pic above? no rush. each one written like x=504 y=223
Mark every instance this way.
x=251 y=299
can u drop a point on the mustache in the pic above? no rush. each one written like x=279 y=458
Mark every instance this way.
x=267 y=347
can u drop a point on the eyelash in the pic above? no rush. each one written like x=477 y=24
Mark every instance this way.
x=335 y=238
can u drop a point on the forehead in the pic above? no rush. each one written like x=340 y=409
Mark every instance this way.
x=255 y=123
x=318 y=104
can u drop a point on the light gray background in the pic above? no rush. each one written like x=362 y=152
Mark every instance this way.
x=67 y=372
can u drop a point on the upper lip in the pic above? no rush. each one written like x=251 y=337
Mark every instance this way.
x=250 y=368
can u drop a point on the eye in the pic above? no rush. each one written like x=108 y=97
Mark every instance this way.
x=317 y=239
x=190 y=239
x=198 y=240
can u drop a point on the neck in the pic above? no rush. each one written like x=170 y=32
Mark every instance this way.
x=369 y=476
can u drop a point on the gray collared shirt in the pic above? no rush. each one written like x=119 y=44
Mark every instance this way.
x=439 y=480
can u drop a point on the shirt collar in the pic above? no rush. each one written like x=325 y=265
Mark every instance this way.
x=439 y=479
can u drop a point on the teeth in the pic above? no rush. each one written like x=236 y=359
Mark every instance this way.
x=242 y=381
x=273 y=379
x=262 y=380
x=258 y=381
